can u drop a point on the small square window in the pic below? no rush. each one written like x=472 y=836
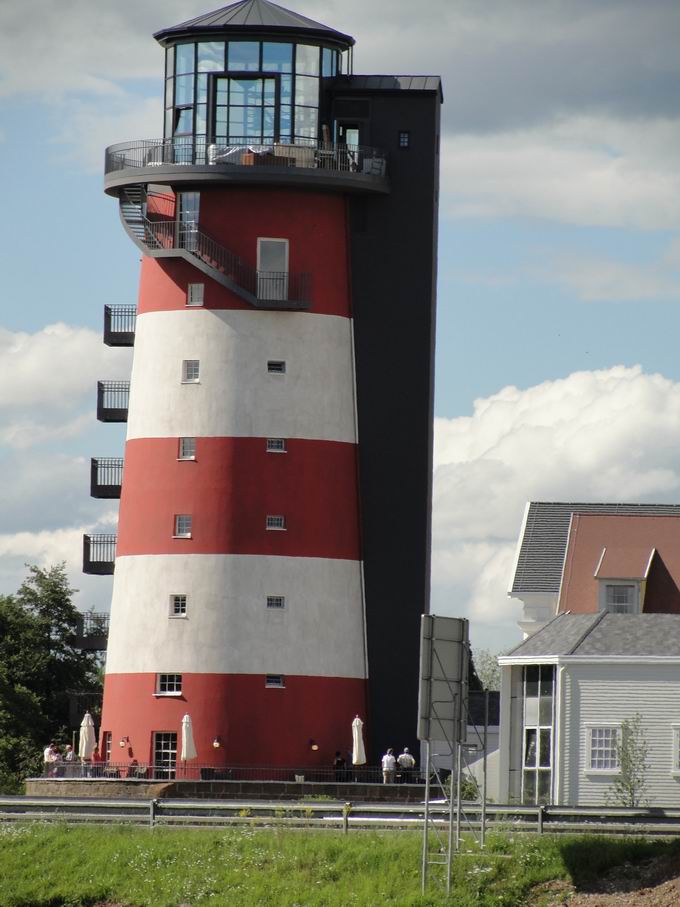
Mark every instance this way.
x=183 y=525
x=404 y=138
x=168 y=684
x=275 y=681
x=276 y=366
x=620 y=598
x=195 y=293
x=187 y=449
x=178 y=605
x=276 y=521
x=276 y=602
x=276 y=445
x=190 y=371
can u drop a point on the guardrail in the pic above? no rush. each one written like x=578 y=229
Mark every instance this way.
x=338 y=814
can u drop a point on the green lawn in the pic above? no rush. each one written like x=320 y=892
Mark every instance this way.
x=55 y=865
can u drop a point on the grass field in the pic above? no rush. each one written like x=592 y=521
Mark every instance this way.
x=57 y=865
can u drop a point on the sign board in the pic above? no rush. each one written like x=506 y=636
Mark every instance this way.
x=444 y=656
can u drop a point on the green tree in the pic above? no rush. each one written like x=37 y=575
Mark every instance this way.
x=630 y=785
x=39 y=667
x=488 y=671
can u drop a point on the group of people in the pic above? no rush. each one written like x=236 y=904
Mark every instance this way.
x=55 y=759
x=404 y=762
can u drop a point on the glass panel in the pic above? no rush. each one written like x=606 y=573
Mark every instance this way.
x=268 y=123
x=326 y=62
x=253 y=117
x=245 y=91
x=335 y=63
x=169 y=62
x=184 y=90
x=545 y=711
x=244 y=55
x=236 y=123
x=183 y=121
x=285 y=114
x=286 y=89
x=185 y=58
x=272 y=255
x=211 y=56
x=307 y=59
x=531 y=710
x=531 y=678
x=169 y=116
x=306 y=122
x=529 y=787
x=307 y=91
x=530 y=747
x=543 y=787
x=201 y=89
x=201 y=119
x=277 y=57
x=544 y=748
x=220 y=115
x=222 y=91
x=269 y=92
x=546 y=680
x=169 y=88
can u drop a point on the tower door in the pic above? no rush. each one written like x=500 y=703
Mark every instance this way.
x=187 y=219
x=245 y=110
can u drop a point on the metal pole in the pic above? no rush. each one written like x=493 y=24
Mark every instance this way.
x=426 y=819
x=458 y=810
x=449 y=851
x=482 y=835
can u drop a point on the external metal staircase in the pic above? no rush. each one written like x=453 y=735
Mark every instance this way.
x=166 y=238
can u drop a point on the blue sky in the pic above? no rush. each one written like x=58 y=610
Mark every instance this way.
x=559 y=265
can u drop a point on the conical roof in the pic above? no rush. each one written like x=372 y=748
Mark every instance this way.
x=252 y=16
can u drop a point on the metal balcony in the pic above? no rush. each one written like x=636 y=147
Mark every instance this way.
x=119 y=325
x=99 y=554
x=106 y=475
x=112 y=401
x=92 y=631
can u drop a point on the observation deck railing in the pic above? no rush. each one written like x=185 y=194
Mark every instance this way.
x=106 y=476
x=243 y=152
x=99 y=553
x=112 y=401
x=119 y=325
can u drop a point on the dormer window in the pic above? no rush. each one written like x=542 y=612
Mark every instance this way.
x=619 y=597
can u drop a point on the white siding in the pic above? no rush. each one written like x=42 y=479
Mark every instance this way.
x=606 y=693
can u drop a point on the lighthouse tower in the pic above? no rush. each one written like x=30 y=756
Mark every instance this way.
x=269 y=570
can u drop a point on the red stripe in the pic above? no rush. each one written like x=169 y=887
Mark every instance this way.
x=255 y=725
x=229 y=491
x=314 y=225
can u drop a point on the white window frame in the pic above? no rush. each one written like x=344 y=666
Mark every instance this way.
x=273 y=448
x=276 y=598
x=195 y=294
x=675 y=749
x=276 y=522
x=178 y=615
x=605 y=584
x=181 y=455
x=599 y=726
x=189 y=367
x=275 y=681
x=183 y=535
x=276 y=366
x=176 y=691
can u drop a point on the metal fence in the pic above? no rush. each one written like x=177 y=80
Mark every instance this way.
x=119 y=324
x=106 y=476
x=112 y=400
x=99 y=553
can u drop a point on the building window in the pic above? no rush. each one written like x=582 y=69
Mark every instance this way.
x=187 y=449
x=183 y=525
x=275 y=681
x=195 y=293
x=620 y=598
x=178 y=605
x=276 y=521
x=168 y=684
x=272 y=268
x=276 y=367
x=675 y=767
x=105 y=748
x=190 y=371
x=164 y=754
x=603 y=748
x=276 y=602
x=404 y=138
x=276 y=445
x=537 y=733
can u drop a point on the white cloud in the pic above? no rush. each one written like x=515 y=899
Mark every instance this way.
x=49 y=381
x=594 y=436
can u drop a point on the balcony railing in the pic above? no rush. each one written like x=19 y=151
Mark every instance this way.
x=99 y=554
x=92 y=631
x=311 y=155
x=112 y=401
x=119 y=325
x=106 y=476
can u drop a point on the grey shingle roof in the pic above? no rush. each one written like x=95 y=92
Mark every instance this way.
x=253 y=14
x=605 y=634
x=544 y=541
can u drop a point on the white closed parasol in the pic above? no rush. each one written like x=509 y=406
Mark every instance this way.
x=188 y=747
x=358 y=751
x=86 y=741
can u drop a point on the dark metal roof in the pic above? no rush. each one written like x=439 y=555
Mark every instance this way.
x=603 y=634
x=255 y=16
x=546 y=533
x=391 y=83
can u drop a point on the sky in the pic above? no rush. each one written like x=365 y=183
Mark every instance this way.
x=557 y=370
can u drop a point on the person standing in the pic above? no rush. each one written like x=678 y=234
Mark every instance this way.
x=406 y=763
x=51 y=757
x=389 y=766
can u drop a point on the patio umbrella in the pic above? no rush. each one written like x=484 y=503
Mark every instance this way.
x=188 y=748
x=86 y=742
x=358 y=751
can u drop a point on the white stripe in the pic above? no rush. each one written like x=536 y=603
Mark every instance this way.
x=228 y=628
x=237 y=396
